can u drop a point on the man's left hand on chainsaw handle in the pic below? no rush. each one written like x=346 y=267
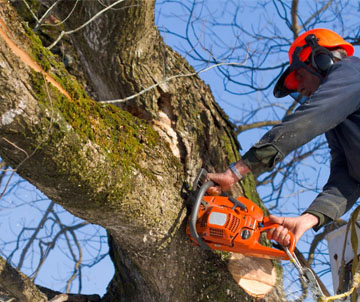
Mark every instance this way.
x=228 y=178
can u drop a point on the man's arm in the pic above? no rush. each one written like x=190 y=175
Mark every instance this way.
x=338 y=196
x=341 y=190
x=335 y=99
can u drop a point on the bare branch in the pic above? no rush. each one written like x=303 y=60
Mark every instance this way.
x=291 y=108
x=45 y=15
x=243 y=128
x=316 y=14
x=34 y=235
x=60 y=298
x=191 y=74
x=336 y=224
x=51 y=294
x=3 y=170
x=77 y=261
x=31 y=11
x=294 y=18
x=15 y=146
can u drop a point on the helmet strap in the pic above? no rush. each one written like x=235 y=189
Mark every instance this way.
x=321 y=58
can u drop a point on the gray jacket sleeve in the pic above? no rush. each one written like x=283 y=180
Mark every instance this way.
x=341 y=190
x=330 y=104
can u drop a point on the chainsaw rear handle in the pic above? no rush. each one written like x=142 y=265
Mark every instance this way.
x=194 y=214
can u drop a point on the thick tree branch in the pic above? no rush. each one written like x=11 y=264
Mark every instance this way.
x=18 y=284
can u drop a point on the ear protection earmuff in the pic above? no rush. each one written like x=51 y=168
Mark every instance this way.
x=321 y=58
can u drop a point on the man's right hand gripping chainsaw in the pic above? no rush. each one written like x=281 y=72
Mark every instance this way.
x=235 y=225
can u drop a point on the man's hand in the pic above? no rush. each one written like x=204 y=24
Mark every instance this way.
x=223 y=180
x=296 y=225
x=226 y=179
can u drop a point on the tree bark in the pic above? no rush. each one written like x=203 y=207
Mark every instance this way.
x=121 y=167
x=17 y=285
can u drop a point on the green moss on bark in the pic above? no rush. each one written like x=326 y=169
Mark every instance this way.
x=230 y=147
x=118 y=142
x=122 y=136
x=81 y=127
x=115 y=130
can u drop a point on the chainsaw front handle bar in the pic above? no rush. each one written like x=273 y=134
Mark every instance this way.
x=267 y=226
x=195 y=210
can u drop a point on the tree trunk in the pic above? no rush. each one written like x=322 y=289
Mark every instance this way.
x=121 y=167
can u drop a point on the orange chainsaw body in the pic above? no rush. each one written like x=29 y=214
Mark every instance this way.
x=223 y=223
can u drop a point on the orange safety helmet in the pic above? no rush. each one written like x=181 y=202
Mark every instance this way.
x=310 y=48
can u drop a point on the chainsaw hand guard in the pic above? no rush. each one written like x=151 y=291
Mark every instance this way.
x=229 y=224
x=195 y=210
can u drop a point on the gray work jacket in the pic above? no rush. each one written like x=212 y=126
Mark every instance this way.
x=333 y=109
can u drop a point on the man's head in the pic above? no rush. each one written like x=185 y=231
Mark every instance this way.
x=310 y=57
x=307 y=82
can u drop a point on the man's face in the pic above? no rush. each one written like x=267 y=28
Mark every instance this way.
x=307 y=82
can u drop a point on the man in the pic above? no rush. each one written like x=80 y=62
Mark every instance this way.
x=324 y=72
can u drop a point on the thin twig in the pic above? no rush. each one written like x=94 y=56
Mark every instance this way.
x=317 y=13
x=15 y=146
x=32 y=13
x=33 y=236
x=77 y=261
x=191 y=74
x=66 y=18
x=44 y=16
x=83 y=25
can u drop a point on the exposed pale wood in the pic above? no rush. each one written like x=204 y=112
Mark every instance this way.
x=256 y=276
x=5 y=34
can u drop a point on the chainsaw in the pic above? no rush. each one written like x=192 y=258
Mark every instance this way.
x=230 y=224
x=235 y=225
